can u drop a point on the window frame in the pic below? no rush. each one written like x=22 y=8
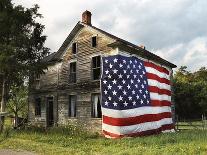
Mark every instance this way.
x=99 y=112
x=69 y=106
x=95 y=68
x=92 y=41
x=38 y=107
x=76 y=48
x=72 y=73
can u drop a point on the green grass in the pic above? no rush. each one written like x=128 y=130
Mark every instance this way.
x=73 y=141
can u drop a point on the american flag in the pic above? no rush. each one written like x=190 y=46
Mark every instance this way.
x=136 y=97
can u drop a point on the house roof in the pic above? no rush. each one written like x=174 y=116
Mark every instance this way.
x=118 y=43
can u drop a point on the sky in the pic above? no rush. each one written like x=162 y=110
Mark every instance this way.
x=176 y=30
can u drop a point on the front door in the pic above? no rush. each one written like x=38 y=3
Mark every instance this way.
x=50 y=117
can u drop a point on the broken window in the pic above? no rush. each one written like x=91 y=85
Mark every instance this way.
x=72 y=106
x=37 y=107
x=96 y=67
x=74 y=48
x=72 y=76
x=96 y=106
x=94 y=41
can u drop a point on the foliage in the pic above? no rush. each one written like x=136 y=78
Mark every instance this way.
x=18 y=101
x=190 y=90
x=21 y=47
x=55 y=142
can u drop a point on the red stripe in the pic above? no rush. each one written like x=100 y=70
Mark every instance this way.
x=143 y=133
x=160 y=103
x=157 y=78
x=135 y=120
x=160 y=69
x=155 y=89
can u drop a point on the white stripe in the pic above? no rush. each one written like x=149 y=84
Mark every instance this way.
x=158 y=84
x=156 y=96
x=158 y=73
x=122 y=130
x=134 y=112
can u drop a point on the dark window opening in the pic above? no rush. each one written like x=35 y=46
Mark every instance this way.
x=96 y=106
x=74 y=48
x=72 y=106
x=96 y=67
x=94 y=42
x=72 y=76
x=38 y=107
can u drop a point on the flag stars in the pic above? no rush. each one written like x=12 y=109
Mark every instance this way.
x=114 y=81
x=130 y=98
x=115 y=104
x=124 y=71
x=133 y=92
x=107 y=71
x=120 y=98
x=105 y=91
x=135 y=76
x=110 y=66
x=106 y=103
x=134 y=102
x=128 y=76
x=123 y=81
x=132 y=81
x=104 y=81
x=136 y=85
x=128 y=86
x=115 y=60
x=119 y=86
x=109 y=86
x=128 y=67
x=130 y=62
x=120 y=76
x=106 y=61
x=137 y=96
x=114 y=93
x=144 y=96
x=115 y=71
x=125 y=103
x=120 y=65
x=142 y=86
x=124 y=92
x=142 y=101
x=139 y=66
x=124 y=61
x=109 y=76
x=109 y=98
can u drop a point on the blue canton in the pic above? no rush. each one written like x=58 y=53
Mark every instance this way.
x=124 y=83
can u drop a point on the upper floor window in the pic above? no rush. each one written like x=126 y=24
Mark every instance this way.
x=72 y=76
x=37 y=107
x=94 y=41
x=96 y=67
x=96 y=106
x=72 y=106
x=74 y=48
x=37 y=81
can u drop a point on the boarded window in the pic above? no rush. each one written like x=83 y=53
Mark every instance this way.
x=94 y=41
x=96 y=106
x=72 y=76
x=37 y=107
x=74 y=48
x=96 y=67
x=72 y=106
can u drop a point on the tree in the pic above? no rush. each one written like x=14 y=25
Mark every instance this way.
x=21 y=47
x=190 y=92
x=18 y=103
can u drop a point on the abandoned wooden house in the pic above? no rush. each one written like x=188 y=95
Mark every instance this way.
x=69 y=91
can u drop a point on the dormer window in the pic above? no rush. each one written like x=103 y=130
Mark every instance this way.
x=94 y=41
x=74 y=48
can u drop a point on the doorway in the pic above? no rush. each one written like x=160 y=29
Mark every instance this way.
x=50 y=116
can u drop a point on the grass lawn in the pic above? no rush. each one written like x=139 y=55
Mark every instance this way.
x=67 y=141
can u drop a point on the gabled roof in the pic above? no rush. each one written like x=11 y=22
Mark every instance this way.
x=118 y=43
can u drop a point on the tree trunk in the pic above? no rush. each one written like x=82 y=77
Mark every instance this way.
x=3 y=105
x=16 y=122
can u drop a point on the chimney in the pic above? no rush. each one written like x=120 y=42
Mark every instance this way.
x=142 y=46
x=86 y=17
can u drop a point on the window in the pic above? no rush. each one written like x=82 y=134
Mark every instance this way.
x=37 y=81
x=37 y=107
x=94 y=41
x=96 y=106
x=72 y=76
x=74 y=48
x=72 y=106
x=96 y=67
